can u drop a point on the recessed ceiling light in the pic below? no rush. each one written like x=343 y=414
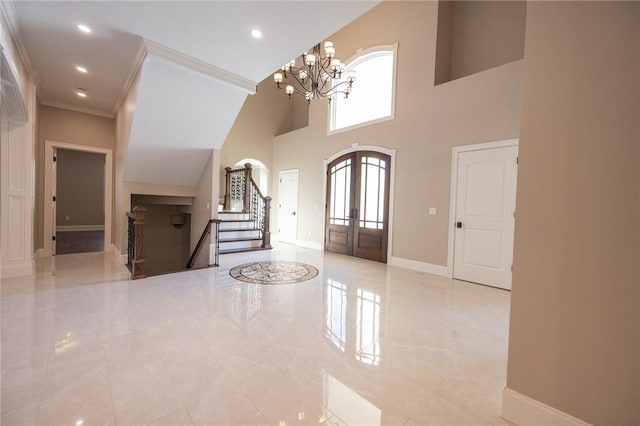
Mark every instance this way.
x=256 y=33
x=84 y=28
x=82 y=93
x=81 y=69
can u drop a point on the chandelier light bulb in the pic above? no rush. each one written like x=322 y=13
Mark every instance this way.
x=310 y=60
x=351 y=76
x=316 y=74
x=329 y=50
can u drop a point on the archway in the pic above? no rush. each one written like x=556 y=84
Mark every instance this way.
x=260 y=173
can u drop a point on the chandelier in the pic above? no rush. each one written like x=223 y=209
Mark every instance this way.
x=317 y=77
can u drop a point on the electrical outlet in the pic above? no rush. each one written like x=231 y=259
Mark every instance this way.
x=432 y=211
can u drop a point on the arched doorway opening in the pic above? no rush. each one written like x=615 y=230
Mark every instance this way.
x=260 y=173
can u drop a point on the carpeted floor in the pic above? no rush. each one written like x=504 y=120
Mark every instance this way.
x=79 y=241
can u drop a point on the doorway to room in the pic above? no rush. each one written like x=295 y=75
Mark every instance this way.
x=357 y=205
x=78 y=199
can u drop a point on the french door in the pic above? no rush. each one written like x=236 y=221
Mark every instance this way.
x=357 y=205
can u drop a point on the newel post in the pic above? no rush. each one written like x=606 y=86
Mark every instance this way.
x=266 y=235
x=138 y=260
x=246 y=201
x=227 y=189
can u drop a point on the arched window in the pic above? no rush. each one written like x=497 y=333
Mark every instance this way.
x=373 y=97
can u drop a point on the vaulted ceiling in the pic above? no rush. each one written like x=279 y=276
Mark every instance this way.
x=194 y=63
x=214 y=32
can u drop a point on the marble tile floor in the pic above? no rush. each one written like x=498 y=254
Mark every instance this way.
x=362 y=343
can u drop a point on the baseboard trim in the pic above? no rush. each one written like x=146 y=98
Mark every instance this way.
x=414 y=265
x=525 y=411
x=122 y=257
x=17 y=270
x=70 y=228
x=309 y=244
x=39 y=253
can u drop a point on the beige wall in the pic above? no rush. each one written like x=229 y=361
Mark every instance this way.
x=166 y=248
x=204 y=207
x=263 y=115
x=486 y=34
x=72 y=127
x=575 y=311
x=429 y=122
x=79 y=188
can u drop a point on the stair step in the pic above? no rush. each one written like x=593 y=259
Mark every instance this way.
x=237 y=224
x=240 y=250
x=239 y=233
x=230 y=215
x=236 y=240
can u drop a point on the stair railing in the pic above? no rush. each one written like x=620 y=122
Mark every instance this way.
x=135 y=242
x=235 y=187
x=242 y=194
x=201 y=241
x=260 y=212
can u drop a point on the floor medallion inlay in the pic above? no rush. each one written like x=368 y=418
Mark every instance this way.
x=273 y=272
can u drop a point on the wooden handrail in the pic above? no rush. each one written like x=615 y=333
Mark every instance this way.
x=203 y=237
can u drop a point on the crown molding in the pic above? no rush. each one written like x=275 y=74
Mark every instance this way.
x=141 y=54
x=77 y=109
x=11 y=18
x=202 y=67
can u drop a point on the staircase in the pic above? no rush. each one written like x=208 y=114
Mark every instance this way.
x=238 y=233
x=243 y=224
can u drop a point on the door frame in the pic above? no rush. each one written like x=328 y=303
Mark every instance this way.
x=48 y=191
x=456 y=150
x=295 y=240
x=355 y=148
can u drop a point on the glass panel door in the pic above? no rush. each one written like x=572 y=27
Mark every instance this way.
x=358 y=205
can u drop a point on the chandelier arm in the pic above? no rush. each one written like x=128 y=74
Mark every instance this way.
x=299 y=81
x=336 y=88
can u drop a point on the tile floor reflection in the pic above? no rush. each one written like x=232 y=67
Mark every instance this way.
x=362 y=343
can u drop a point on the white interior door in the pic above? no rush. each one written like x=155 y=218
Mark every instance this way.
x=485 y=216
x=288 y=206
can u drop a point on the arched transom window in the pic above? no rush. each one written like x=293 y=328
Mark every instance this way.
x=373 y=96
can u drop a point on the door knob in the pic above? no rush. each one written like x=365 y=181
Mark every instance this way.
x=458 y=225
x=293 y=213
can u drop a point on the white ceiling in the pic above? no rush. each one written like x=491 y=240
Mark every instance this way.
x=215 y=32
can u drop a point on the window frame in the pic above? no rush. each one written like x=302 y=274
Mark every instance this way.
x=357 y=58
